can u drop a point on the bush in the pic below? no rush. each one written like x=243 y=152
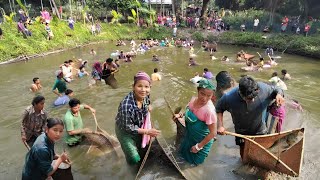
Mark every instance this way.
x=198 y=36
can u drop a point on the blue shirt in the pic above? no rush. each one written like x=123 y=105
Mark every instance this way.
x=39 y=159
x=248 y=118
x=130 y=117
x=61 y=100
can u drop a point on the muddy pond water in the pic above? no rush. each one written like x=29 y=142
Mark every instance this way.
x=15 y=80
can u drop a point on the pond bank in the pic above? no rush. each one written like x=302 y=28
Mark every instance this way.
x=15 y=48
x=292 y=44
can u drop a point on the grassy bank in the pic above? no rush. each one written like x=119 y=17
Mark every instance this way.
x=299 y=45
x=13 y=44
x=289 y=43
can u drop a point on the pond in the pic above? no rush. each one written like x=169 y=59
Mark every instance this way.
x=15 y=80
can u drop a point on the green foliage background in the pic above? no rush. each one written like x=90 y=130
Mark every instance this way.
x=13 y=44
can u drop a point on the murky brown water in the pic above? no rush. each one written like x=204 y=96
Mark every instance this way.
x=15 y=80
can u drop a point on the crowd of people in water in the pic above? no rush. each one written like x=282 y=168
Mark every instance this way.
x=248 y=102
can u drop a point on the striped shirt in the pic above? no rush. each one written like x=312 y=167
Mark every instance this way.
x=130 y=116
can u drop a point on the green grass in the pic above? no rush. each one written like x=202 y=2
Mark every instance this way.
x=13 y=44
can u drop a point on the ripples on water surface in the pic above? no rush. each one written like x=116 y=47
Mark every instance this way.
x=15 y=96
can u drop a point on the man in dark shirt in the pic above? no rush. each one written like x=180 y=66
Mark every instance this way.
x=248 y=107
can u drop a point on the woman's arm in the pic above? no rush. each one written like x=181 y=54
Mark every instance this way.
x=211 y=135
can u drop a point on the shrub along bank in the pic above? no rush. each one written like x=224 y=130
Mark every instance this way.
x=288 y=43
x=13 y=45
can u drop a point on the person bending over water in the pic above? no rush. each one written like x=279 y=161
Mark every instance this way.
x=33 y=121
x=200 y=123
x=132 y=111
x=248 y=105
x=64 y=99
x=74 y=123
x=38 y=162
x=59 y=86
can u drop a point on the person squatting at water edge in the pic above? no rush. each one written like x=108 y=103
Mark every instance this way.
x=131 y=113
x=38 y=162
x=248 y=105
x=200 y=120
x=33 y=121
x=74 y=123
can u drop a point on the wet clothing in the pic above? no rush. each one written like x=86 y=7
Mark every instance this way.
x=71 y=123
x=128 y=120
x=60 y=84
x=280 y=113
x=61 y=100
x=108 y=69
x=248 y=118
x=39 y=159
x=196 y=131
x=33 y=124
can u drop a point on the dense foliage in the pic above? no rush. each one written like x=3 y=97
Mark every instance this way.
x=13 y=44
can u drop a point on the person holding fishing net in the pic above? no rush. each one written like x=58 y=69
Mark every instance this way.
x=248 y=105
x=39 y=161
x=132 y=111
x=74 y=123
x=200 y=122
x=33 y=121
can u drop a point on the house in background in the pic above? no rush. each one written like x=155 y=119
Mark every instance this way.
x=164 y=7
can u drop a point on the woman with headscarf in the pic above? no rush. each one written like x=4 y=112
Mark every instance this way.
x=96 y=71
x=200 y=124
x=132 y=111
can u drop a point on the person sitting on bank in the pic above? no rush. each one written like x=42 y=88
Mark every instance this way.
x=39 y=160
x=200 y=122
x=36 y=86
x=248 y=105
x=285 y=75
x=59 y=86
x=73 y=122
x=33 y=121
x=62 y=100
x=155 y=76
x=132 y=111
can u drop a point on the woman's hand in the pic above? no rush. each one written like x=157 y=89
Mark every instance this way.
x=194 y=149
x=153 y=132
x=221 y=130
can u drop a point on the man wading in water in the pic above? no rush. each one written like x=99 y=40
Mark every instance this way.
x=248 y=107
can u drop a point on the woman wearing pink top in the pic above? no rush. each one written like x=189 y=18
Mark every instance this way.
x=200 y=125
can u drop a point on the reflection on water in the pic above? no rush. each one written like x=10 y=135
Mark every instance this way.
x=15 y=80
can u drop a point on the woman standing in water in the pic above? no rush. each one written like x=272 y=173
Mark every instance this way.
x=200 y=121
x=131 y=113
x=39 y=159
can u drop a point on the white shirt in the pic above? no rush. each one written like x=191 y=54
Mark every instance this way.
x=256 y=22
x=195 y=79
